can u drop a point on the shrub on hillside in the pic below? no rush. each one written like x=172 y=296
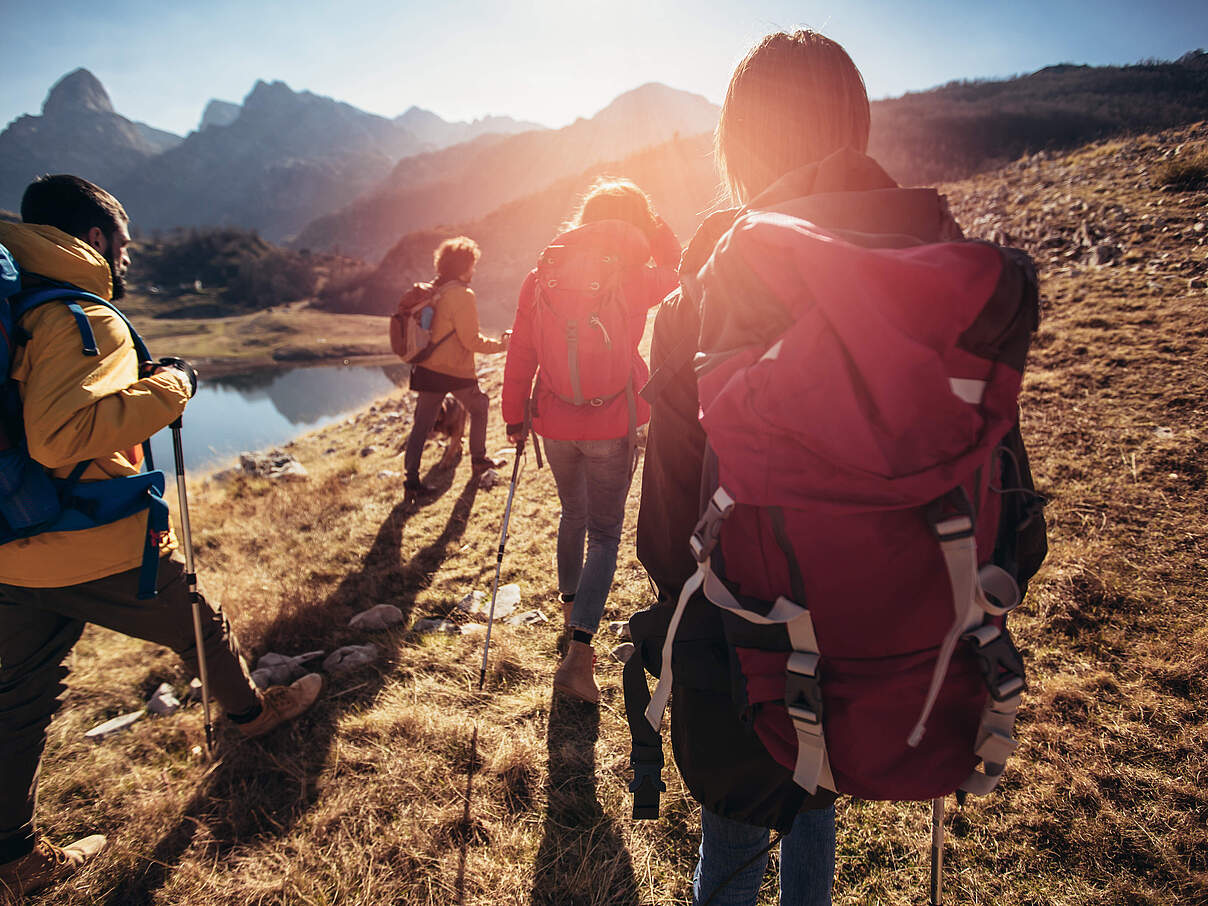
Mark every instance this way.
x=247 y=272
x=1183 y=173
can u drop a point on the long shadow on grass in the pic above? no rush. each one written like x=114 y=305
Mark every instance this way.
x=261 y=788
x=582 y=860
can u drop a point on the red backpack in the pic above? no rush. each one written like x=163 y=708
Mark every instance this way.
x=855 y=401
x=582 y=324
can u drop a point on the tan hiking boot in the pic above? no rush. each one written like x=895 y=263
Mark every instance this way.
x=283 y=703
x=45 y=865
x=575 y=676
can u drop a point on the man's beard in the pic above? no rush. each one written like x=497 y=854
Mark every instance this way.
x=119 y=280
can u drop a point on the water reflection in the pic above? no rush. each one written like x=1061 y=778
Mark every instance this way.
x=267 y=408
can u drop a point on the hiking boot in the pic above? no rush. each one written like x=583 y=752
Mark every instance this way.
x=45 y=865
x=575 y=676
x=481 y=464
x=283 y=703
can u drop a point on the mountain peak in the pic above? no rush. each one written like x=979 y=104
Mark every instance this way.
x=77 y=91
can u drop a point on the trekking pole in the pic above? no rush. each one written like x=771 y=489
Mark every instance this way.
x=937 y=849
x=178 y=451
x=503 y=537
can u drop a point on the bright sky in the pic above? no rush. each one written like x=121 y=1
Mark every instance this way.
x=544 y=60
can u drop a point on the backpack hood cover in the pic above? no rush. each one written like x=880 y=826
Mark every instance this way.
x=836 y=372
x=614 y=236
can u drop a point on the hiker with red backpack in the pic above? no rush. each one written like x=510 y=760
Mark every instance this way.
x=837 y=510
x=446 y=366
x=581 y=315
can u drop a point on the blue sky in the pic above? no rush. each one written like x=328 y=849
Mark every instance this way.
x=544 y=60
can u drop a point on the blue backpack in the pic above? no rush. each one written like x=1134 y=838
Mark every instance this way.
x=31 y=500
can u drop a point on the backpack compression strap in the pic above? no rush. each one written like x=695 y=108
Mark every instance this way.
x=803 y=697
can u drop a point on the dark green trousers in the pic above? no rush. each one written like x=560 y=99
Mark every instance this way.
x=38 y=627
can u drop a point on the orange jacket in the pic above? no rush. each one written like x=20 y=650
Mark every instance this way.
x=456 y=317
x=78 y=408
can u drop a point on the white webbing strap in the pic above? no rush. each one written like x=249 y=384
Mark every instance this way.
x=969 y=601
x=995 y=743
x=662 y=691
x=812 y=769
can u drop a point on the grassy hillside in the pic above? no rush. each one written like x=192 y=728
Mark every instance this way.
x=407 y=786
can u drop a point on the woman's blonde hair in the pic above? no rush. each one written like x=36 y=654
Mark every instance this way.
x=614 y=198
x=796 y=98
x=454 y=257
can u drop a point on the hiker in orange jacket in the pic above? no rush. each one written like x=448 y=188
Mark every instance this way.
x=96 y=409
x=450 y=368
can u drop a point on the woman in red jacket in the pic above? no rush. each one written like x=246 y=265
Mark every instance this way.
x=580 y=318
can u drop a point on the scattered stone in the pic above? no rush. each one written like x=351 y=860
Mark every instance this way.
x=528 y=618
x=435 y=624
x=101 y=732
x=473 y=629
x=1164 y=432
x=1102 y=255
x=275 y=669
x=274 y=464
x=1199 y=227
x=623 y=652
x=375 y=619
x=489 y=479
x=388 y=474
x=368 y=451
x=350 y=657
x=472 y=602
x=193 y=693
x=478 y=603
x=620 y=628
x=163 y=700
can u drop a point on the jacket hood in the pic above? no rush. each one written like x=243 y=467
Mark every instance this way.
x=46 y=251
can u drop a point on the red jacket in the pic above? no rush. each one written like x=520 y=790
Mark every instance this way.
x=643 y=286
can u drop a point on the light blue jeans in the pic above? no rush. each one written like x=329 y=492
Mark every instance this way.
x=807 y=861
x=593 y=481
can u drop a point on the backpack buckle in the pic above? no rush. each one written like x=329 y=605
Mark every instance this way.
x=708 y=530
x=951 y=516
x=802 y=690
x=647 y=784
x=1001 y=665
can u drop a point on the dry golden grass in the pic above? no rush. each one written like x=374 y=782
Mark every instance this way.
x=405 y=785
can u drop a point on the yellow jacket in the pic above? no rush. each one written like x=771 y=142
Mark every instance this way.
x=79 y=407
x=457 y=314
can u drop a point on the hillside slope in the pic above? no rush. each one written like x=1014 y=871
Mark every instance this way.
x=406 y=785
x=678 y=176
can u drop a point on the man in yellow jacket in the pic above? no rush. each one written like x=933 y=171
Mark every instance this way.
x=96 y=410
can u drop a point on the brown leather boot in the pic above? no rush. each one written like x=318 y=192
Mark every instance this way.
x=45 y=865
x=280 y=704
x=575 y=676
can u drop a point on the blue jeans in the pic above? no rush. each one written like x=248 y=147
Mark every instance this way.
x=593 y=481
x=807 y=861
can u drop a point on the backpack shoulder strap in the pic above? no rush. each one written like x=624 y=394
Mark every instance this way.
x=24 y=302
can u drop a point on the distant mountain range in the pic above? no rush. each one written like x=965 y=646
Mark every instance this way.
x=469 y=180
x=272 y=163
x=78 y=132
x=325 y=176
